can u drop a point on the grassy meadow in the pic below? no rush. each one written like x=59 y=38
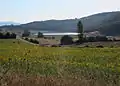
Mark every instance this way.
x=22 y=64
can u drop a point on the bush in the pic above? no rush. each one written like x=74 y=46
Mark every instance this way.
x=86 y=46
x=7 y=35
x=53 y=37
x=91 y=39
x=101 y=38
x=97 y=38
x=100 y=46
x=66 y=40
x=45 y=37
x=31 y=40
x=54 y=45
x=114 y=39
x=34 y=41
x=13 y=35
x=27 y=39
x=40 y=35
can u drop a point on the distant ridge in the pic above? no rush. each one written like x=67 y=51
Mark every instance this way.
x=107 y=23
x=8 y=23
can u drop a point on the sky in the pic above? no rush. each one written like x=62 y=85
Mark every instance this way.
x=23 y=11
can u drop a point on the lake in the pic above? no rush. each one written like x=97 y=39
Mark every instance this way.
x=35 y=32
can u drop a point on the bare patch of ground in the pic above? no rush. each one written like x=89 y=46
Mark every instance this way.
x=43 y=41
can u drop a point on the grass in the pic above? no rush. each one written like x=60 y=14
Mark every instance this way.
x=65 y=66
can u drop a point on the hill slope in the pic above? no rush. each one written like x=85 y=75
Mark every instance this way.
x=106 y=23
x=90 y=22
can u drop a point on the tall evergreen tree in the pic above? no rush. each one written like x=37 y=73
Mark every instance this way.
x=80 y=31
x=40 y=35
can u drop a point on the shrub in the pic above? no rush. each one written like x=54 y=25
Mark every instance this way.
x=86 y=46
x=7 y=35
x=53 y=37
x=114 y=39
x=13 y=35
x=31 y=40
x=34 y=41
x=45 y=37
x=97 y=38
x=101 y=38
x=100 y=46
x=40 y=35
x=91 y=39
x=54 y=45
x=66 y=40
x=27 y=39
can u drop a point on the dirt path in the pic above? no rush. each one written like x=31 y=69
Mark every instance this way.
x=19 y=38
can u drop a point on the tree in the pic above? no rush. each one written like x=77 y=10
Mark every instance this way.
x=40 y=35
x=101 y=38
x=1 y=35
x=80 y=31
x=91 y=39
x=66 y=40
x=13 y=35
x=7 y=35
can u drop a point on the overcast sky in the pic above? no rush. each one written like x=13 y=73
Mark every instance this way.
x=23 y=11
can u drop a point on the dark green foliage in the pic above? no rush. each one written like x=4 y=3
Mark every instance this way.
x=114 y=39
x=80 y=30
x=101 y=38
x=91 y=39
x=7 y=35
x=86 y=46
x=27 y=39
x=1 y=34
x=100 y=46
x=66 y=40
x=32 y=40
x=53 y=37
x=45 y=37
x=40 y=35
x=13 y=35
x=96 y=39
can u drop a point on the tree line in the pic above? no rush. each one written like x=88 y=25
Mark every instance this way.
x=7 y=35
x=67 y=40
x=31 y=40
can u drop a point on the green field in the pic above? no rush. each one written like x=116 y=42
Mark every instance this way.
x=93 y=65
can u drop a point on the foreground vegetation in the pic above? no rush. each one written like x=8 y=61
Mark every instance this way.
x=33 y=65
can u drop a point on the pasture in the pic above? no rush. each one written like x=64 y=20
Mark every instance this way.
x=61 y=66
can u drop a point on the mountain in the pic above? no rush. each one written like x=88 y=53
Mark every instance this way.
x=110 y=26
x=111 y=29
x=8 y=23
x=107 y=23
